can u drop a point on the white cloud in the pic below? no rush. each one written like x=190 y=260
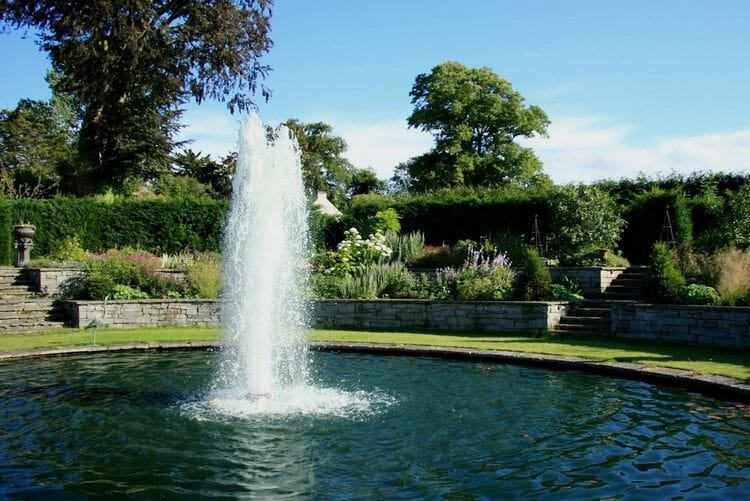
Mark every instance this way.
x=213 y=132
x=584 y=149
x=381 y=145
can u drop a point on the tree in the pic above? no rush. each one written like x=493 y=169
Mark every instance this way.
x=475 y=117
x=365 y=181
x=36 y=138
x=216 y=175
x=323 y=166
x=130 y=65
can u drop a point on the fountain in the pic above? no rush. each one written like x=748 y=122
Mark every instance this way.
x=264 y=252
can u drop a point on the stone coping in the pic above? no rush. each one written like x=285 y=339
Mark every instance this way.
x=714 y=386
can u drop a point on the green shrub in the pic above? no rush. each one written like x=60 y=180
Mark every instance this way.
x=482 y=277
x=325 y=230
x=407 y=248
x=6 y=232
x=355 y=253
x=381 y=222
x=126 y=292
x=324 y=285
x=569 y=290
x=68 y=250
x=584 y=218
x=205 y=277
x=738 y=217
x=533 y=279
x=645 y=223
x=698 y=294
x=663 y=278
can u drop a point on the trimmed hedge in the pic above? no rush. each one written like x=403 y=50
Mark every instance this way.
x=6 y=233
x=450 y=217
x=155 y=225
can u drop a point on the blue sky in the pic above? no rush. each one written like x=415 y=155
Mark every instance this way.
x=631 y=86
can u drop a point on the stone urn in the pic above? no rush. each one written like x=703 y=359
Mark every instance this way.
x=23 y=234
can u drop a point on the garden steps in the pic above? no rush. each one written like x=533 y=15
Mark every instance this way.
x=594 y=315
x=28 y=315
x=16 y=283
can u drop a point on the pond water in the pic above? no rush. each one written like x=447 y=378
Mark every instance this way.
x=140 y=425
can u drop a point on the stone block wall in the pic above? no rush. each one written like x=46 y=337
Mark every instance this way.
x=49 y=281
x=146 y=313
x=723 y=326
x=506 y=316
x=592 y=280
x=384 y=314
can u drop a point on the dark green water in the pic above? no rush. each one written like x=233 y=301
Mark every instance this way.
x=137 y=425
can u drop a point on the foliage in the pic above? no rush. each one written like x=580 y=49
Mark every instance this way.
x=533 y=279
x=216 y=176
x=378 y=280
x=68 y=251
x=155 y=225
x=205 y=277
x=585 y=219
x=475 y=117
x=172 y=186
x=646 y=218
x=698 y=294
x=381 y=222
x=323 y=166
x=738 y=217
x=35 y=139
x=129 y=66
x=355 y=253
x=103 y=272
x=734 y=277
x=482 y=277
x=326 y=231
x=569 y=290
x=6 y=230
x=407 y=248
x=447 y=216
x=663 y=278
x=440 y=256
x=126 y=292
x=364 y=181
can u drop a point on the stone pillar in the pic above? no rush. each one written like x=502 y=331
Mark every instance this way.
x=22 y=240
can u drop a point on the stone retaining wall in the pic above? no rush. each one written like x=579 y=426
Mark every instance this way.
x=592 y=280
x=696 y=325
x=145 y=313
x=488 y=316
x=505 y=316
x=49 y=281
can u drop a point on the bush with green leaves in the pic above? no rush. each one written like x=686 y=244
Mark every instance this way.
x=407 y=248
x=584 y=218
x=355 y=252
x=482 y=277
x=568 y=290
x=738 y=217
x=379 y=280
x=126 y=292
x=664 y=281
x=205 y=276
x=381 y=222
x=733 y=280
x=698 y=294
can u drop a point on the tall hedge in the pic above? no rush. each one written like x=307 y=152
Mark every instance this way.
x=6 y=230
x=645 y=220
x=448 y=217
x=155 y=225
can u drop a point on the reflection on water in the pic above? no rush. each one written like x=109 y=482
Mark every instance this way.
x=141 y=425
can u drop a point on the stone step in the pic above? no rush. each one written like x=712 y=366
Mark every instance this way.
x=588 y=311
x=580 y=330
x=585 y=321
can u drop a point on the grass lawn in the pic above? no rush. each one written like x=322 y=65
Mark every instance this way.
x=731 y=363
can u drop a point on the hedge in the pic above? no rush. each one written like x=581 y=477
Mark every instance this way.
x=449 y=217
x=6 y=230
x=155 y=225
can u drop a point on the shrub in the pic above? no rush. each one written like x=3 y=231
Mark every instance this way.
x=379 y=280
x=533 y=279
x=738 y=217
x=383 y=221
x=204 y=276
x=483 y=277
x=68 y=250
x=734 y=277
x=584 y=218
x=663 y=279
x=354 y=252
x=324 y=285
x=407 y=248
x=569 y=290
x=125 y=292
x=698 y=294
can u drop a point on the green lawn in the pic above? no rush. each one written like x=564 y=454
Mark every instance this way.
x=732 y=363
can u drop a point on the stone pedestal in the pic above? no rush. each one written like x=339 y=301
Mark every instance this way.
x=23 y=242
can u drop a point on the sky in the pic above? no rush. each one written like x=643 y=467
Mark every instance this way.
x=631 y=87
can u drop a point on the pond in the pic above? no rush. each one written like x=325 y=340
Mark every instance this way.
x=142 y=425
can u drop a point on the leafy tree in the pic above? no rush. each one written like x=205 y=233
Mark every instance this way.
x=35 y=139
x=475 y=117
x=323 y=166
x=130 y=65
x=365 y=181
x=737 y=222
x=217 y=175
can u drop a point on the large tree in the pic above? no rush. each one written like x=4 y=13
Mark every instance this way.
x=475 y=117
x=131 y=64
